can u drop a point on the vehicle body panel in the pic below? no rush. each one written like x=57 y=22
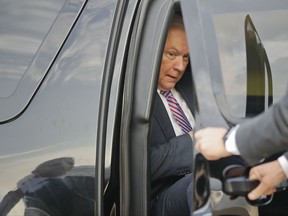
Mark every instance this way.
x=88 y=92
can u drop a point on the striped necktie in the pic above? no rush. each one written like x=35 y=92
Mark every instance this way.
x=177 y=112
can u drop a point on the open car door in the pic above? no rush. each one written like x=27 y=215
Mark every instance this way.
x=210 y=23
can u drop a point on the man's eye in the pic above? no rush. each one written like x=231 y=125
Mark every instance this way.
x=186 y=58
x=171 y=55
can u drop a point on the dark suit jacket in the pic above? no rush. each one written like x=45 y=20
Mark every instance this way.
x=171 y=157
x=265 y=134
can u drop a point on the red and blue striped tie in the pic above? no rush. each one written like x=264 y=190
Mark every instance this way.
x=177 y=112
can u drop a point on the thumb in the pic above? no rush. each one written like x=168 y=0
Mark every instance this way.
x=259 y=191
x=256 y=193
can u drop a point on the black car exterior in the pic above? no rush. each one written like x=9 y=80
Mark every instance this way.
x=77 y=85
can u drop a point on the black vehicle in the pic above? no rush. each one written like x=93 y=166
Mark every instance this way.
x=77 y=85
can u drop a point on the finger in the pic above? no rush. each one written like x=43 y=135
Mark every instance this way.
x=260 y=190
x=197 y=146
x=198 y=134
x=253 y=195
x=253 y=176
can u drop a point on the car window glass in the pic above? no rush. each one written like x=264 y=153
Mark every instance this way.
x=23 y=27
x=230 y=35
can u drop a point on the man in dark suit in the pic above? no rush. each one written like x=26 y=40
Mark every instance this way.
x=171 y=129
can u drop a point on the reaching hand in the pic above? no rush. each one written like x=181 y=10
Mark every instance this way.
x=210 y=143
x=269 y=174
x=191 y=135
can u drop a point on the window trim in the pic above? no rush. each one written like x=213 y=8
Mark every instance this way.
x=206 y=10
x=13 y=106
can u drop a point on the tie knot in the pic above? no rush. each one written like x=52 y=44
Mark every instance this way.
x=165 y=93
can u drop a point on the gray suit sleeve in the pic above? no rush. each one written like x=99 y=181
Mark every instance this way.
x=265 y=134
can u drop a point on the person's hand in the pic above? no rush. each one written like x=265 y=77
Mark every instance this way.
x=191 y=134
x=269 y=174
x=209 y=142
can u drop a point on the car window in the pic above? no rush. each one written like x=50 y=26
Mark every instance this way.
x=271 y=26
x=31 y=35
x=23 y=27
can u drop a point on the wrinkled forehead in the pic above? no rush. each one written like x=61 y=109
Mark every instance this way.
x=176 y=39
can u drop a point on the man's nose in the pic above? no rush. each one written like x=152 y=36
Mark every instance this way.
x=180 y=63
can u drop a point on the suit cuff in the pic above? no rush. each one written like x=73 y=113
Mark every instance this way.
x=230 y=141
x=284 y=164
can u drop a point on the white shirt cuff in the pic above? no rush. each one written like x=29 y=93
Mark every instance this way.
x=230 y=143
x=284 y=164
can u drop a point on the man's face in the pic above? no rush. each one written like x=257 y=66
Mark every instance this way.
x=175 y=59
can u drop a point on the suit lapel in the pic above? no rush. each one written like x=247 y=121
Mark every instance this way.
x=185 y=88
x=163 y=119
x=188 y=97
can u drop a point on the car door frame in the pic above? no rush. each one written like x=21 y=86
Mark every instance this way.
x=144 y=58
x=143 y=64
